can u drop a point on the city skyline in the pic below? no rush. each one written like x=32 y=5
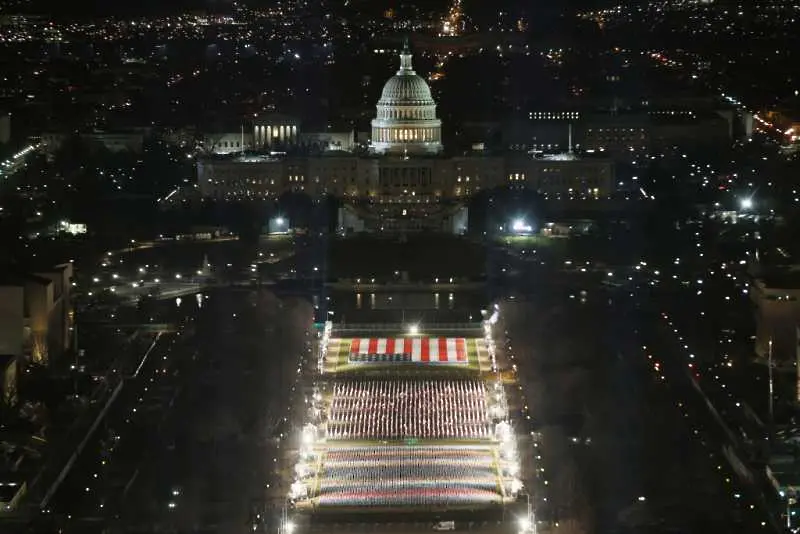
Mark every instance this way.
x=336 y=266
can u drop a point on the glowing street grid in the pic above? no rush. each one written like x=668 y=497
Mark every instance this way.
x=407 y=433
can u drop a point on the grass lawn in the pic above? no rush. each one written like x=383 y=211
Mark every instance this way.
x=530 y=241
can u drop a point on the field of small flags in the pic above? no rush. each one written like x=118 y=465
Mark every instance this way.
x=394 y=439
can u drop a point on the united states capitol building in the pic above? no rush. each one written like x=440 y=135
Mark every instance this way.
x=398 y=177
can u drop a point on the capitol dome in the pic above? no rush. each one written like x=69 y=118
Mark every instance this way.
x=406 y=114
x=406 y=87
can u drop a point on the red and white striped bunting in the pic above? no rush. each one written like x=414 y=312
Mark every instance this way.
x=421 y=349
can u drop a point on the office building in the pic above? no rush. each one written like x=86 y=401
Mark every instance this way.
x=35 y=313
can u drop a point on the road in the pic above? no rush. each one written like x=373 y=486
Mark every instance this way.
x=622 y=446
x=17 y=161
x=217 y=452
x=191 y=442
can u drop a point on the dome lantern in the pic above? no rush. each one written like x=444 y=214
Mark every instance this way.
x=406 y=66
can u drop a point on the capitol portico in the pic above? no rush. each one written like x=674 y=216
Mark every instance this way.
x=406 y=120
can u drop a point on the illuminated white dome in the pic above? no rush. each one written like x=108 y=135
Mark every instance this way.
x=406 y=114
x=406 y=87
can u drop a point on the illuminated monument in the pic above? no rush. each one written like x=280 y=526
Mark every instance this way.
x=397 y=178
x=406 y=121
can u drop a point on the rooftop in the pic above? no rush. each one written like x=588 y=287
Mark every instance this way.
x=13 y=277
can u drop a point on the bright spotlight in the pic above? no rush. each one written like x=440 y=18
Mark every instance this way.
x=413 y=330
x=279 y=221
x=301 y=470
x=503 y=430
x=746 y=203
x=308 y=435
x=513 y=468
x=289 y=527
x=519 y=226
x=524 y=524
x=298 y=490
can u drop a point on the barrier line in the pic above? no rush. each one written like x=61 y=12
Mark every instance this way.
x=146 y=354
x=72 y=459
x=82 y=445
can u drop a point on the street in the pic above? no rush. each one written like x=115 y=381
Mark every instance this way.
x=190 y=443
x=621 y=444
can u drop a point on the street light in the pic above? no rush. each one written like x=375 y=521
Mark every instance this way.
x=527 y=524
x=746 y=203
x=413 y=330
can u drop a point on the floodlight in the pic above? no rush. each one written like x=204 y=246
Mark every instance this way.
x=298 y=490
x=503 y=430
x=301 y=470
x=520 y=226
x=513 y=468
x=308 y=435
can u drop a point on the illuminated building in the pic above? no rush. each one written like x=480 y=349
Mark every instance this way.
x=35 y=313
x=775 y=297
x=399 y=180
x=406 y=120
